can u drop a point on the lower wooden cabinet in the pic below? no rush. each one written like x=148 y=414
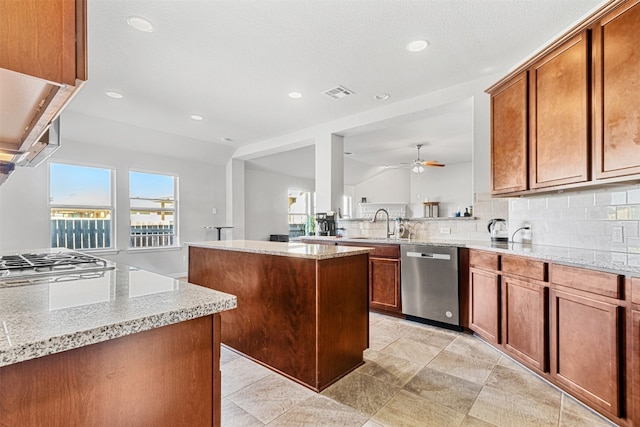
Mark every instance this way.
x=585 y=341
x=384 y=284
x=484 y=304
x=524 y=321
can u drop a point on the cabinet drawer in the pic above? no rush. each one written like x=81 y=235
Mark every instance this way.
x=380 y=251
x=596 y=282
x=524 y=267
x=635 y=290
x=486 y=260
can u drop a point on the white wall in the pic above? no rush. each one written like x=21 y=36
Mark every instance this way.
x=266 y=202
x=451 y=186
x=24 y=211
x=391 y=186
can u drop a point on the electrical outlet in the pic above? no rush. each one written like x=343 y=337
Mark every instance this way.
x=526 y=234
x=214 y=211
x=445 y=230
x=617 y=234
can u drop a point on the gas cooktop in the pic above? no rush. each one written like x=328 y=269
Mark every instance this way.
x=50 y=263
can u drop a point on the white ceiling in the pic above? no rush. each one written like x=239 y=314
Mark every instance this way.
x=234 y=62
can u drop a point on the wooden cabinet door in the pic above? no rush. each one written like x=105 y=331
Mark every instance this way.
x=509 y=136
x=524 y=321
x=45 y=39
x=484 y=304
x=559 y=116
x=634 y=364
x=616 y=83
x=585 y=340
x=384 y=284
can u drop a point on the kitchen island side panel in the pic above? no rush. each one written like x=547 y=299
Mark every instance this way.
x=167 y=376
x=305 y=318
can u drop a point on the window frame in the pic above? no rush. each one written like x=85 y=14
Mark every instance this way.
x=112 y=208
x=176 y=229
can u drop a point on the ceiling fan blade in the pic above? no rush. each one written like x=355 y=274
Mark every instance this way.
x=433 y=163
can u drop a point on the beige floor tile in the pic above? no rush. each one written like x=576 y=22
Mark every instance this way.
x=412 y=351
x=444 y=389
x=406 y=409
x=435 y=337
x=320 y=411
x=270 y=397
x=465 y=366
x=361 y=392
x=383 y=333
x=524 y=384
x=390 y=369
x=574 y=413
x=470 y=421
x=372 y=423
x=227 y=355
x=234 y=416
x=505 y=409
x=240 y=373
x=470 y=346
x=507 y=362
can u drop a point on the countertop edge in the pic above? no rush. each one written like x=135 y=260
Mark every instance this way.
x=278 y=252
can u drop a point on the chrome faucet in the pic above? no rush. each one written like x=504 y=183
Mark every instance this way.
x=375 y=215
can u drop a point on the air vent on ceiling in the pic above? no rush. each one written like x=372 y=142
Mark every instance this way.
x=338 y=92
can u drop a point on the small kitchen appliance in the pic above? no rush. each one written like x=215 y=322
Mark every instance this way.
x=326 y=223
x=498 y=230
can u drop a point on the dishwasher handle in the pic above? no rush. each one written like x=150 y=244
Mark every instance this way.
x=428 y=255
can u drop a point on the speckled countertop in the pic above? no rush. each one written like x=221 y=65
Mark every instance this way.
x=56 y=313
x=618 y=262
x=289 y=249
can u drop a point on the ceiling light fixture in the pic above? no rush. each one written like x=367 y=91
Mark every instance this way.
x=417 y=45
x=197 y=118
x=295 y=95
x=140 y=24
x=114 y=95
x=381 y=96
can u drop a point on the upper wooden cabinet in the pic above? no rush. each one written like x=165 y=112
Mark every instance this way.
x=616 y=64
x=559 y=115
x=43 y=39
x=583 y=112
x=42 y=66
x=509 y=136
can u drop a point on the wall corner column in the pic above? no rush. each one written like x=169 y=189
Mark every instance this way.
x=329 y=150
x=235 y=189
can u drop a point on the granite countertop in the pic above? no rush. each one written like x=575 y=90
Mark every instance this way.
x=617 y=262
x=63 y=312
x=289 y=249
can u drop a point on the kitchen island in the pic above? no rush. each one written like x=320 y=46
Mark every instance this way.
x=120 y=346
x=302 y=309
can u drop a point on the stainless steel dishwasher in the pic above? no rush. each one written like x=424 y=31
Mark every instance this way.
x=429 y=283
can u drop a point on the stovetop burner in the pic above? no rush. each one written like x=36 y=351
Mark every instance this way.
x=33 y=264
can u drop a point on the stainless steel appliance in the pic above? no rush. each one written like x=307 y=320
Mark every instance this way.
x=28 y=268
x=498 y=230
x=326 y=223
x=429 y=283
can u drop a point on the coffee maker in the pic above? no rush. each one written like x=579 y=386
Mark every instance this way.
x=326 y=223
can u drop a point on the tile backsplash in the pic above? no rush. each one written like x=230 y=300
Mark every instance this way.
x=604 y=219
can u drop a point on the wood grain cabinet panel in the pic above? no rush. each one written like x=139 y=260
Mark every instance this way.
x=484 y=304
x=509 y=136
x=634 y=363
x=559 y=115
x=384 y=284
x=524 y=321
x=616 y=82
x=585 y=340
x=525 y=267
x=486 y=260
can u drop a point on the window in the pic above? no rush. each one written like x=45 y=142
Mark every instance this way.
x=301 y=222
x=153 y=210
x=81 y=206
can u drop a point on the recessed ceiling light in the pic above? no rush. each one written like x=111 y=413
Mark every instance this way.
x=225 y=139
x=295 y=95
x=112 y=94
x=197 y=118
x=140 y=24
x=381 y=96
x=417 y=46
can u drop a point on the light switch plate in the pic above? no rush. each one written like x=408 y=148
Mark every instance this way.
x=617 y=235
x=214 y=211
x=445 y=230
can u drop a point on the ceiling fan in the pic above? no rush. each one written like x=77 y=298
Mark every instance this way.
x=418 y=165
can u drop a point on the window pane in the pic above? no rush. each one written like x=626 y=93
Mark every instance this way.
x=80 y=228
x=152 y=210
x=79 y=185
